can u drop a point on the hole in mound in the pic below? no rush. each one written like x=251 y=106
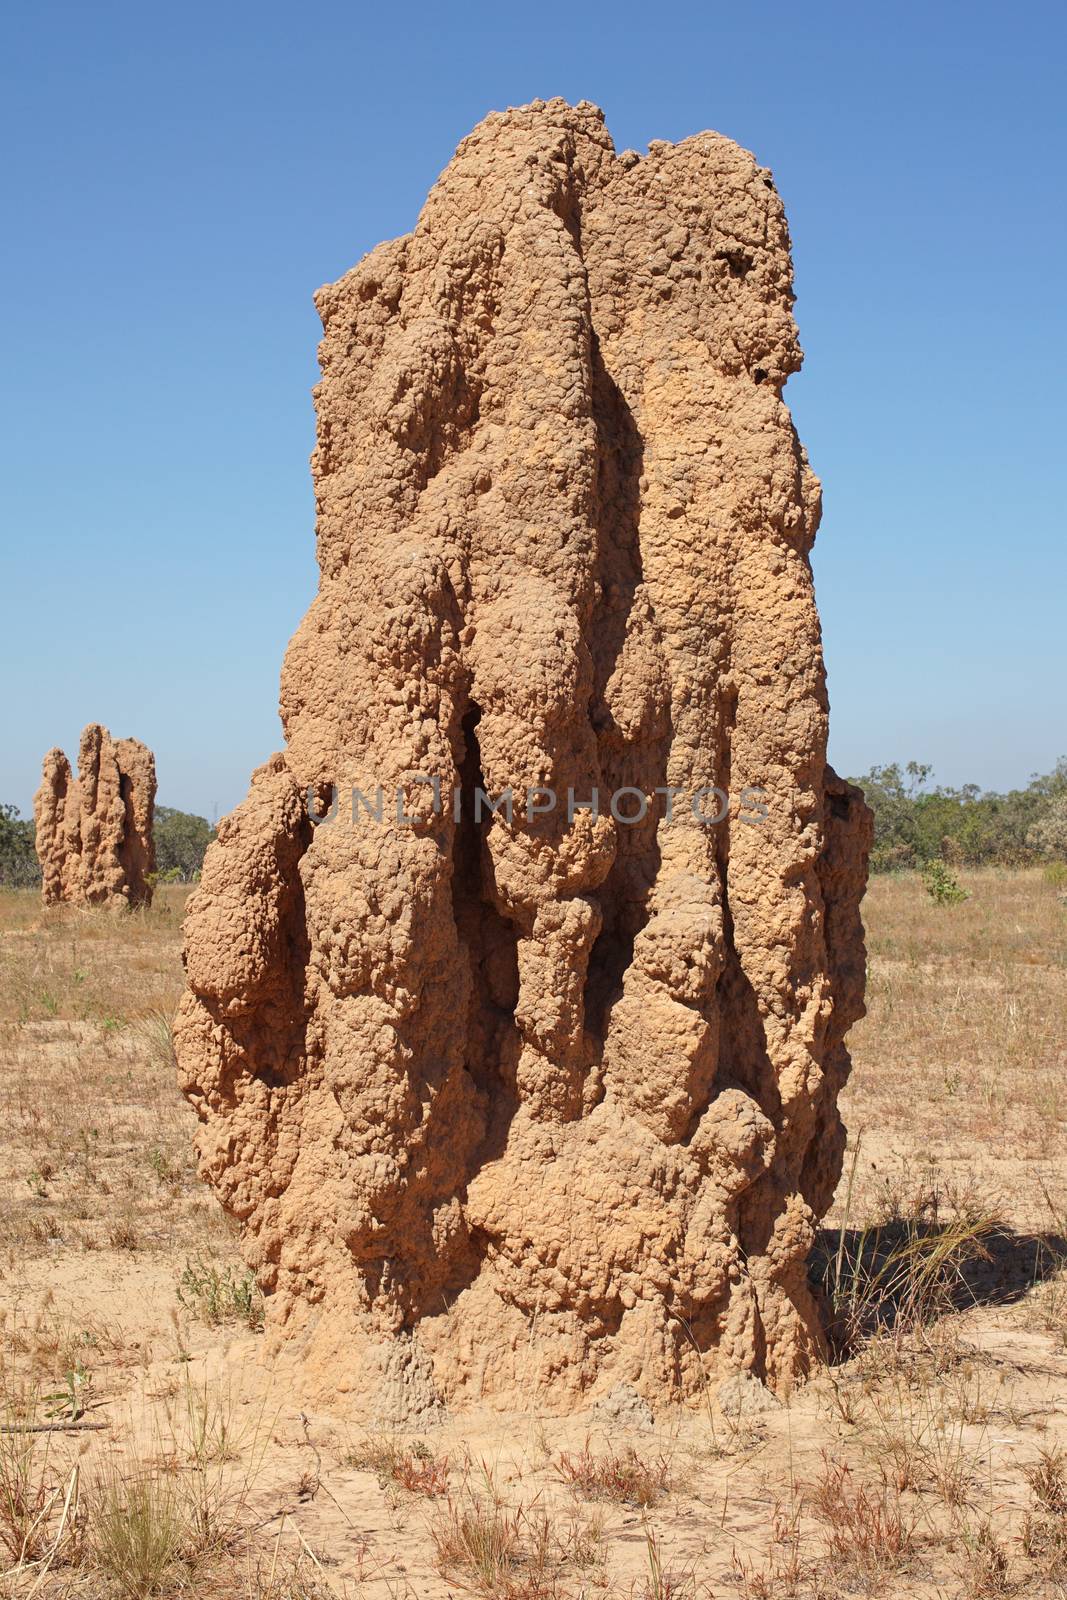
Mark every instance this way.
x=739 y=262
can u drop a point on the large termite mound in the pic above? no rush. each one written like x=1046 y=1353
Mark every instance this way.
x=531 y=1107
x=94 y=833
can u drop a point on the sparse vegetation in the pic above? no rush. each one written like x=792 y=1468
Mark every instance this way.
x=483 y=1541
x=868 y=1533
x=941 y=884
x=512 y=1552
x=24 y=1497
x=901 y=1275
x=929 y=1456
x=411 y=1466
x=623 y=1476
x=1044 y=1531
x=219 y=1294
x=137 y=1530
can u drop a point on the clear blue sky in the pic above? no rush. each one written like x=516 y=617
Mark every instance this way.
x=180 y=179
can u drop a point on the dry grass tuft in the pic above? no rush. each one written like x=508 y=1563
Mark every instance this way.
x=481 y=1540
x=514 y=1552
x=984 y=1570
x=25 y=1501
x=900 y=1276
x=137 y=1530
x=664 y=1584
x=621 y=1476
x=299 y=1578
x=1044 y=1531
x=868 y=1534
x=412 y=1467
x=1047 y=1478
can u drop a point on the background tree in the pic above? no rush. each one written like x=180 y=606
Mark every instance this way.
x=19 y=867
x=1049 y=835
x=181 y=839
x=914 y=824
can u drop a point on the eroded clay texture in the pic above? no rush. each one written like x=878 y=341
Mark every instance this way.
x=529 y=1110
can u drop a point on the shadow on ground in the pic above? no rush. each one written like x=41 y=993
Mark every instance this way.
x=873 y=1280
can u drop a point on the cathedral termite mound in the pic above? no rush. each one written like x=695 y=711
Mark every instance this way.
x=531 y=1102
x=94 y=832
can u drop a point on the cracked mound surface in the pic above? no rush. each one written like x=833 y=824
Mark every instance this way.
x=531 y=1109
x=94 y=833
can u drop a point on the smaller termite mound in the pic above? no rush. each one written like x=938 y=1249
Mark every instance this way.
x=94 y=832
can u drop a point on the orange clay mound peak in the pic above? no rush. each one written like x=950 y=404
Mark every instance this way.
x=94 y=833
x=518 y=986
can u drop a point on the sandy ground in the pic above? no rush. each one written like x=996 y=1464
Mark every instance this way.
x=923 y=1462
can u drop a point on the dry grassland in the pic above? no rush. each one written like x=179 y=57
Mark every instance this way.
x=145 y=1449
